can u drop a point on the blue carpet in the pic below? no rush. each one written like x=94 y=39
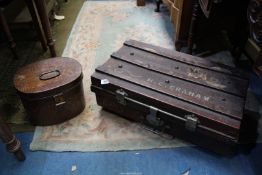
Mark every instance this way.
x=149 y=162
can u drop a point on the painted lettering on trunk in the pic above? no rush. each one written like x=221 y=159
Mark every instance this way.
x=180 y=90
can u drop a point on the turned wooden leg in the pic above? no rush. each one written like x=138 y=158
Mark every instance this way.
x=193 y=26
x=140 y=2
x=35 y=18
x=158 y=2
x=259 y=70
x=178 y=45
x=12 y=144
x=42 y=12
x=7 y=32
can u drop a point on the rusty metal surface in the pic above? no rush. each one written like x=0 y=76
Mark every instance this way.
x=174 y=83
x=218 y=122
x=47 y=75
x=177 y=88
x=189 y=59
x=51 y=90
x=182 y=70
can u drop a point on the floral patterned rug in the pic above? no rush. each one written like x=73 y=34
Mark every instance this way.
x=101 y=29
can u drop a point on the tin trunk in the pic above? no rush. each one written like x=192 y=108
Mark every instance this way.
x=172 y=92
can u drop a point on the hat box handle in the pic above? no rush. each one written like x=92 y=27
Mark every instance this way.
x=49 y=75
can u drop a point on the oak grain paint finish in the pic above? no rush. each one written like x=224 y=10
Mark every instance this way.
x=51 y=90
x=177 y=85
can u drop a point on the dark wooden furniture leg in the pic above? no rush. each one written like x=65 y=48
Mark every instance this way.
x=178 y=45
x=158 y=2
x=7 y=32
x=42 y=12
x=12 y=144
x=193 y=26
x=140 y=2
x=35 y=18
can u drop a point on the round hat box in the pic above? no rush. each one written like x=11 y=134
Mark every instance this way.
x=51 y=90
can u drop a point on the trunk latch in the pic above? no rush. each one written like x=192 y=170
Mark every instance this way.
x=152 y=118
x=191 y=122
x=120 y=96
